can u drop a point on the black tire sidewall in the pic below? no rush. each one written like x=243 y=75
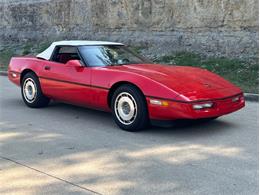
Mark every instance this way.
x=141 y=119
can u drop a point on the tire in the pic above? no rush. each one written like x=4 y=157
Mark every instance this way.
x=205 y=120
x=32 y=93
x=129 y=108
x=213 y=118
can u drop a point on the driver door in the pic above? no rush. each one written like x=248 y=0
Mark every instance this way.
x=64 y=81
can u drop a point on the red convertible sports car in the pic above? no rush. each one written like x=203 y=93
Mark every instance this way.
x=109 y=77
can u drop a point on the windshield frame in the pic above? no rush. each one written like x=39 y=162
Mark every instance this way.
x=127 y=49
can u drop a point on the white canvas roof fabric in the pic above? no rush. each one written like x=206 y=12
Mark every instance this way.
x=46 y=54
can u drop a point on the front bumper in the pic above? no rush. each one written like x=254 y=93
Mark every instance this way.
x=173 y=110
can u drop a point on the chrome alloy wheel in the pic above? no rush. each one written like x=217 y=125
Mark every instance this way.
x=125 y=108
x=29 y=90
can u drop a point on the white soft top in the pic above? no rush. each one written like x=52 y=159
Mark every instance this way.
x=46 y=54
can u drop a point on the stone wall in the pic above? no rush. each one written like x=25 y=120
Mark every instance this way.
x=211 y=27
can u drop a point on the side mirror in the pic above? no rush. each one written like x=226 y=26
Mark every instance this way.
x=74 y=63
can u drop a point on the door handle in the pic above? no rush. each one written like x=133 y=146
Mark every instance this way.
x=47 y=67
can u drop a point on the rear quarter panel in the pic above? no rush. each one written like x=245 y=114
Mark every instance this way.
x=18 y=64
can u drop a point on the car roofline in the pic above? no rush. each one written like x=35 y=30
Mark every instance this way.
x=47 y=53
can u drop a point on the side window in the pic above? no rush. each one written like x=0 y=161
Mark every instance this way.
x=63 y=54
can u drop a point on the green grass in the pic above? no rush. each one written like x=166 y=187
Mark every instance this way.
x=41 y=47
x=24 y=49
x=243 y=73
x=5 y=56
x=136 y=49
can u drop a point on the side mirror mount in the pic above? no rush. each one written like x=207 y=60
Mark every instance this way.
x=74 y=63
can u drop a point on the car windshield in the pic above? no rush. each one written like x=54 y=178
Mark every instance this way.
x=110 y=55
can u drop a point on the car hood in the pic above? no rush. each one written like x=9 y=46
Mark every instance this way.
x=185 y=80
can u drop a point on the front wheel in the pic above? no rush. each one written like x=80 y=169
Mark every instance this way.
x=31 y=92
x=209 y=119
x=129 y=108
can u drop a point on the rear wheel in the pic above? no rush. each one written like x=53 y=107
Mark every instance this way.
x=129 y=108
x=31 y=91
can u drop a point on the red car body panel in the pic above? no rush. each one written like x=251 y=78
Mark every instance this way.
x=180 y=86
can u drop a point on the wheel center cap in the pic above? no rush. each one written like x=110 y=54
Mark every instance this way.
x=126 y=108
x=30 y=90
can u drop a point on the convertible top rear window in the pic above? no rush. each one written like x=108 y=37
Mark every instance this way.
x=109 y=55
x=68 y=49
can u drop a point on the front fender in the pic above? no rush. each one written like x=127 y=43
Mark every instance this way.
x=107 y=78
